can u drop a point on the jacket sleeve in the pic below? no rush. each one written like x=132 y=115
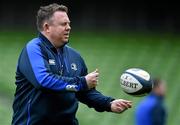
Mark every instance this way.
x=93 y=98
x=35 y=68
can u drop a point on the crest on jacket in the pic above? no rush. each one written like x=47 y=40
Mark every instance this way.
x=74 y=66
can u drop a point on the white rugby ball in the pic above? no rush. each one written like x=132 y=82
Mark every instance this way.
x=136 y=81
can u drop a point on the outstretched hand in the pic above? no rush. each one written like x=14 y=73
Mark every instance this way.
x=120 y=105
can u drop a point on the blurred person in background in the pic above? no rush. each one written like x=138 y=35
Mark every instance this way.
x=51 y=77
x=151 y=110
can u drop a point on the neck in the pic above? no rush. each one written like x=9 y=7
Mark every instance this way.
x=157 y=93
x=53 y=42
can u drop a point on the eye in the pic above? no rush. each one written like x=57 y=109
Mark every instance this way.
x=65 y=24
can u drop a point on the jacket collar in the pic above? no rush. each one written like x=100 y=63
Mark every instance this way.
x=45 y=40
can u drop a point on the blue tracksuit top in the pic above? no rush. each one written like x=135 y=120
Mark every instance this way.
x=50 y=84
x=151 y=111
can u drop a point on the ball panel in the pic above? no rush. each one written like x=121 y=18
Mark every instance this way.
x=129 y=83
x=139 y=72
x=146 y=86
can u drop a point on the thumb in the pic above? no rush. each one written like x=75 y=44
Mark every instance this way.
x=96 y=71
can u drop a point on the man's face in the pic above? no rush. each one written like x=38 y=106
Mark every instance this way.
x=162 y=89
x=59 y=28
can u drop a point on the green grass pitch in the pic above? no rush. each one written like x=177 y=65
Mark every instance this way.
x=159 y=54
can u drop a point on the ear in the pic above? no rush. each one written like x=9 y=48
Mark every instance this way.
x=46 y=27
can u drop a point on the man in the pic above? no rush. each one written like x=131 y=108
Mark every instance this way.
x=52 y=77
x=151 y=110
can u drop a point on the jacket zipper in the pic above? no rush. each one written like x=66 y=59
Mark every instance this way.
x=66 y=63
x=62 y=59
x=60 y=63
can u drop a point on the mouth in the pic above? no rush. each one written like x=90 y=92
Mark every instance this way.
x=66 y=35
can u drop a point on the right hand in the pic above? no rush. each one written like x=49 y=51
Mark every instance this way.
x=120 y=105
x=92 y=79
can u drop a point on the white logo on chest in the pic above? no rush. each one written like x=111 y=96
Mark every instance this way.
x=73 y=66
x=52 y=62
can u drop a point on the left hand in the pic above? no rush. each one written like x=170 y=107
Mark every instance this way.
x=120 y=105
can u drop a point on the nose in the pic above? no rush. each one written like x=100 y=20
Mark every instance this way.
x=68 y=27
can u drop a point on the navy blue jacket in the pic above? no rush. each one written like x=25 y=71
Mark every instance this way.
x=151 y=111
x=50 y=84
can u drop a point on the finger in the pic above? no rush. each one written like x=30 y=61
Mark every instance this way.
x=126 y=101
x=125 y=105
x=97 y=70
x=120 y=110
x=94 y=71
x=94 y=74
x=95 y=79
x=129 y=105
x=122 y=104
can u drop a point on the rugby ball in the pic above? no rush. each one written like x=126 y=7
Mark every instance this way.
x=136 y=81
